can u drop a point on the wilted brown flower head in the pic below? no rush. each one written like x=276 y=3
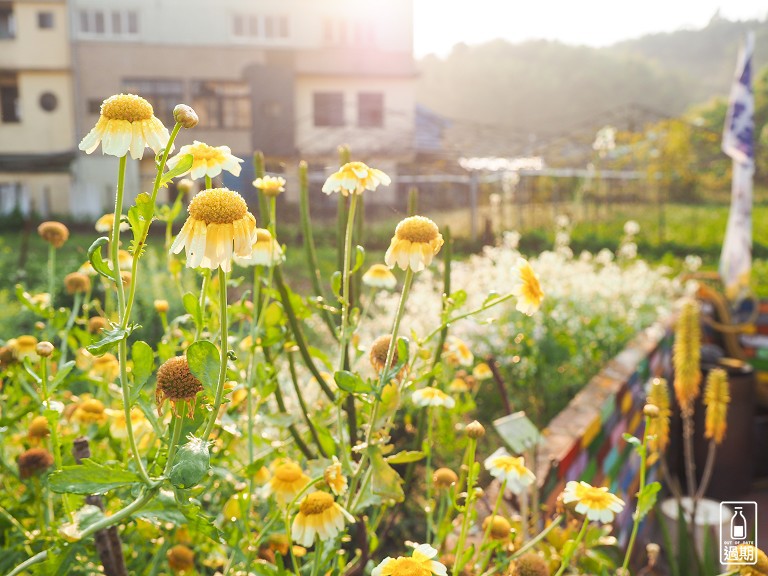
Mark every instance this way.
x=96 y=324
x=181 y=558
x=33 y=462
x=55 y=233
x=176 y=383
x=378 y=353
x=77 y=283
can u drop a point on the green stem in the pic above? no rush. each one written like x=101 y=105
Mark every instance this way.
x=428 y=474
x=201 y=303
x=538 y=538
x=177 y=423
x=208 y=182
x=458 y=317
x=223 y=357
x=115 y=240
x=51 y=273
x=318 y=556
x=122 y=351
x=70 y=322
x=637 y=518
x=567 y=558
x=345 y=282
x=303 y=405
x=467 y=508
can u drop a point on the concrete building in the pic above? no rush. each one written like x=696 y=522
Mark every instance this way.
x=294 y=78
x=37 y=133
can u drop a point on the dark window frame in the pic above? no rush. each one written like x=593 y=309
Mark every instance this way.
x=370 y=109
x=328 y=109
x=46 y=20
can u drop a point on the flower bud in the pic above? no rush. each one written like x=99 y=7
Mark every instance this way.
x=185 y=186
x=161 y=306
x=651 y=410
x=44 y=349
x=185 y=116
x=475 y=430
x=191 y=464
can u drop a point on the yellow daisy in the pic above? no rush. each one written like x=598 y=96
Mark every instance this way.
x=503 y=466
x=482 y=371
x=457 y=353
x=319 y=515
x=127 y=124
x=420 y=563
x=24 y=347
x=288 y=480
x=334 y=477
x=528 y=290
x=415 y=243
x=270 y=185
x=104 y=224
x=380 y=276
x=207 y=160
x=219 y=225
x=353 y=178
x=596 y=503
x=265 y=251
x=429 y=396
x=90 y=411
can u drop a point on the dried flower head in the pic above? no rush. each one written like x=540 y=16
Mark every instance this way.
x=176 y=383
x=717 y=396
x=530 y=564
x=77 y=283
x=55 y=233
x=181 y=559
x=219 y=225
x=270 y=185
x=378 y=353
x=687 y=355
x=33 y=462
x=334 y=477
x=127 y=124
x=444 y=478
x=38 y=428
x=416 y=241
x=354 y=178
x=97 y=323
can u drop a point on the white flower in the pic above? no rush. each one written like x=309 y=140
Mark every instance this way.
x=511 y=469
x=430 y=396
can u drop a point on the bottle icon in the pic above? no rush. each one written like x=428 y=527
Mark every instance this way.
x=738 y=525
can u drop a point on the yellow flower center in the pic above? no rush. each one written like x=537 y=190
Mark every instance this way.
x=594 y=497
x=288 y=472
x=531 y=287
x=218 y=206
x=202 y=151
x=92 y=406
x=126 y=107
x=263 y=235
x=509 y=464
x=106 y=360
x=26 y=343
x=316 y=503
x=408 y=567
x=430 y=392
x=417 y=229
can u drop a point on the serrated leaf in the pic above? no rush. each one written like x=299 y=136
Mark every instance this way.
x=646 y=499
x=352 y=383
x=204 y=362
x=97 y=261
x=91 y=478
x=109 y=339
x=184 y=165
x=359 y=259
x=143 y=366
x=405 y=457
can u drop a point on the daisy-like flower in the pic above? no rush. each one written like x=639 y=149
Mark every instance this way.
x=90 y=411
x=270 y=185
x=503 y=466
x=429 y=396
x=482 y=371
x=354 y=178
x=265 y=251
x=595 y=502
x=528 y=290
x=415 y=243
x=457 y=353
x=380 y=276
x=207 y=160
x=127 y=124
x=420 y=563
x=319 y=515
x=219 y=225
x=55 y=233
x=334 y=477
x=24 y=347
x=288 y=480
x=104 y=224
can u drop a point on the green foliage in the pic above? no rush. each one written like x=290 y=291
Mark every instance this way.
x=90 y=477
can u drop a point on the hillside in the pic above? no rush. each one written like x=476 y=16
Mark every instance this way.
x=514 y=98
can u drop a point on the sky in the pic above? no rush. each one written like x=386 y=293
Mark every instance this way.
x=439 y=24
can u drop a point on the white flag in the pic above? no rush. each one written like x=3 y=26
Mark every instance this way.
x=738 y=143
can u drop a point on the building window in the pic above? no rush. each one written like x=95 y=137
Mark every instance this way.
x=162 y=94
x=45 y=20
x=7 y=21
x=116 y=23
x=9 y=99
x=328 y=108
x=264 y=27
x=222 y=104
x=13 y=199
x=370 y=109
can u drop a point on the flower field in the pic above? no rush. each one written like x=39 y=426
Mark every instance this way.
x=238 y=427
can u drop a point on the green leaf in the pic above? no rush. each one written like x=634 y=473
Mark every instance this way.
x=204 y=362
x=646 y=499
x=336 y=284
x=63 y=372
x=96 y=260
x=274 y=315
x=405 y=457
x=91 y=478
x=140 y=217
x=25 y=299
x=109 y=339
x=143 y=366
x=385 y=481
x=352 y=383
x=192 y=306
x=31 y=371
x=359 y=259
x=326 y=439
x=184 y=165
x=632 y=440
